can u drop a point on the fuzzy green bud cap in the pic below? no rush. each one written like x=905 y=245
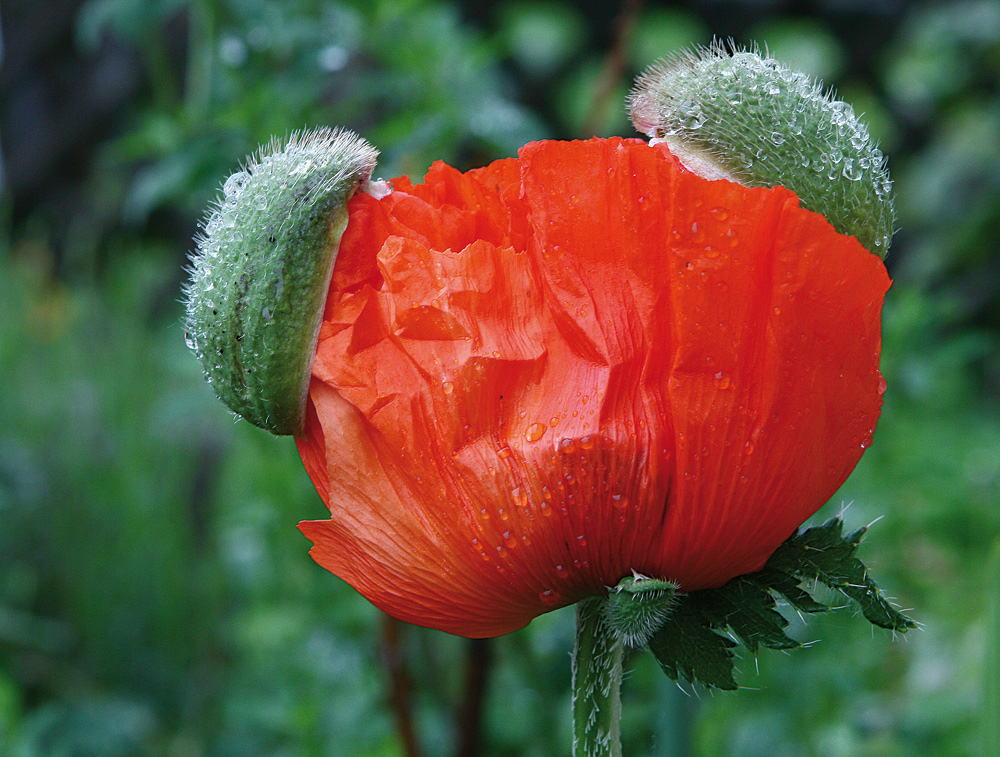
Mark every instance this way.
x=260 y=275
x=638 y=606
x=746 y=118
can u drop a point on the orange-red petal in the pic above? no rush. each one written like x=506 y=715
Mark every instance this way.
x=535 y=378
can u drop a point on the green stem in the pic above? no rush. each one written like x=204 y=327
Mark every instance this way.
x=991 y=669
x=597 y=678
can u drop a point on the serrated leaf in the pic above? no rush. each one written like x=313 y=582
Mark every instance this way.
x=816 y=551
x=690 y=644
x=877 y=608
x=748 y=610
x=824 y=554
x=788 y=587
x=687 y=648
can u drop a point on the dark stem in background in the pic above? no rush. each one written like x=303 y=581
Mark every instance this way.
x=400 y=685
x=614 y=68
x=480 y=658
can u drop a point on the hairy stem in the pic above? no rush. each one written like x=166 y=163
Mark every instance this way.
x=597 y=677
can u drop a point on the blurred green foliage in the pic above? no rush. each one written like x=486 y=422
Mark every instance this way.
x=155 y=597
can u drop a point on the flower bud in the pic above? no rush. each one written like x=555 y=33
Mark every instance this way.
x=638 y=606
x=260 y=276
x=747 y=118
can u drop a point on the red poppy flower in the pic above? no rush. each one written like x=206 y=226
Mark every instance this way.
x=537 y=377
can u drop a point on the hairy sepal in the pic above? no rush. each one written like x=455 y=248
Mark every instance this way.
x=260 y=275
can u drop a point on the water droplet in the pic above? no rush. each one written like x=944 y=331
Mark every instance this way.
x=851 y=170
x=535 y=432
x=448 y=387
x=504 y=452
x=520 y=495
x=581 y=540
x=234 y=184
x=562 y=572
x=749 y=448
x=587 y=442
x=548 y=597
x=568 y=446
x=509 y=540
x=719 y=214
x=722 y=380
x=618 y=502
x=882 y=385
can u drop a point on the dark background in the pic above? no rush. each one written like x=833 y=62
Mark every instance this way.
x=155 y=596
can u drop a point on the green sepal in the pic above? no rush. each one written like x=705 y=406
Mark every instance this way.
x=260 y=276
x=745 y=117
x=698 y=639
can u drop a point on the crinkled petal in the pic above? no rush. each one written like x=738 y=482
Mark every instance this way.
x=537 y=377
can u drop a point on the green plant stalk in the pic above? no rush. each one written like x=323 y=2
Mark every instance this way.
x=201 y=56
x=990 y=733
x=597 y=678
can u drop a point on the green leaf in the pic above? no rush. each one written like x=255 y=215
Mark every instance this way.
x=693 y=643
x=685 y=647
x=825 y=555
x=749 y=611
x=788 y=587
